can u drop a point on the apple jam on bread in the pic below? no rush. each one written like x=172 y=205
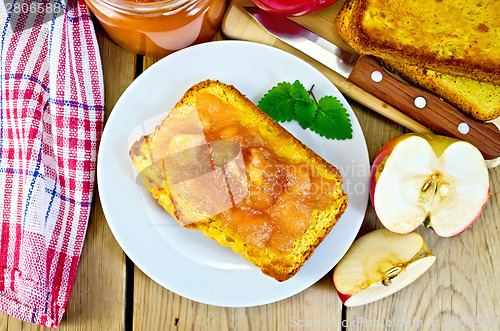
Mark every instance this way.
x=233 y=173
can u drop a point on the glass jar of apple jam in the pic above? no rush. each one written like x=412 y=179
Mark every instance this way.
x=157 y=28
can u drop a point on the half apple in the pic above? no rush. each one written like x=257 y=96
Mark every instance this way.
x=379 y=264
x=431 y=179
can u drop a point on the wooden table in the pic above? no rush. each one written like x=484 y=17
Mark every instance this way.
x=461 y=289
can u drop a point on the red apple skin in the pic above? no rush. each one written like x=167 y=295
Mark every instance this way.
x=385 y=152
x=343 y=297
x=293 y=7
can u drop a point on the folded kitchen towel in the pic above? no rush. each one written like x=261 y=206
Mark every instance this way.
x=51 y=115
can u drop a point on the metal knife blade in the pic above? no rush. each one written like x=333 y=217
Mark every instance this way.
x=365 y=72
x=306 y=41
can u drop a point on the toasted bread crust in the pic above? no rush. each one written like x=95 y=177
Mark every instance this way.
x=387 y=30
x=274 y=263
x=479 y=100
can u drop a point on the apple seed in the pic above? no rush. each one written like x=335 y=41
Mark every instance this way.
x=390 y=274
x=426 y=185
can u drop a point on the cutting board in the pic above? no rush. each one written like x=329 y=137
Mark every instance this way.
x=238 y=24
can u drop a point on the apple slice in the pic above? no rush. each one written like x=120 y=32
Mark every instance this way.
x=436 y=180
x=379 y=264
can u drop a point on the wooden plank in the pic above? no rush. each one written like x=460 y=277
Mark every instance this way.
x=98 y=295
x=156 y=308
x=459 y=291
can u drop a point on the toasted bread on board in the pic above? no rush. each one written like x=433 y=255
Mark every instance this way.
x=479 y=100
x=457 y=37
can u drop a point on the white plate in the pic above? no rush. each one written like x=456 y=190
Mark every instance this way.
x=185 y=261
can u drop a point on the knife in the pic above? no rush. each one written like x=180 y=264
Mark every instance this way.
x=365 y=72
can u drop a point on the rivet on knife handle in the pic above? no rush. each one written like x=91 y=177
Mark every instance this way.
x=425 y=107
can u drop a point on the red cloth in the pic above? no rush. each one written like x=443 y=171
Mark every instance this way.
x=51 y=119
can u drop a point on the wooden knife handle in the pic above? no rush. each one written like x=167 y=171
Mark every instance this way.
x=425 y=107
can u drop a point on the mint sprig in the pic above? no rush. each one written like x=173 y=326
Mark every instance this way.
x=327 y=117
x=279 y=98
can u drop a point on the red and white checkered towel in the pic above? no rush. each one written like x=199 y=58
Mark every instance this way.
x=51 y=117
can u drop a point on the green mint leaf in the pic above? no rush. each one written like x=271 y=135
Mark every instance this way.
x=305 y=109
x=332 y=120
x=278 y=103
x=299 y=92
x=305 y=113
x=285 y=102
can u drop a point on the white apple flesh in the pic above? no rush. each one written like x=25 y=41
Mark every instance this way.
x=436 y=180
x=379 y=264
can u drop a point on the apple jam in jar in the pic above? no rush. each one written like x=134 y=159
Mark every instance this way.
x=157 y=28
